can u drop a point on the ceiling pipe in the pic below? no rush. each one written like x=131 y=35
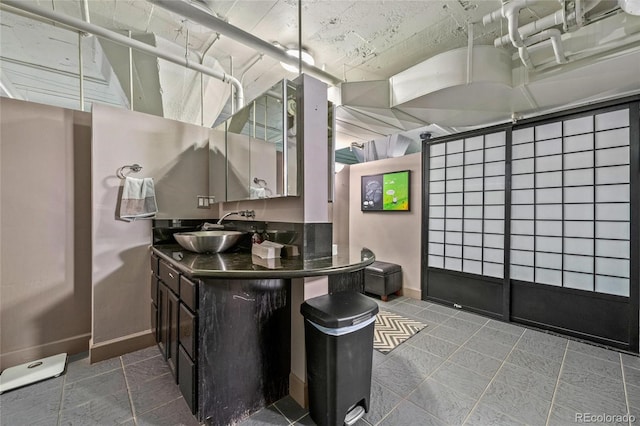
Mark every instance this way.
x=556 y=42
x=510 y=11
x=79 y=24
x=194 y=14
x=544 y=23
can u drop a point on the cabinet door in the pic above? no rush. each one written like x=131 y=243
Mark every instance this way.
x=187 y=380
x=187 y=330
x=173 y=306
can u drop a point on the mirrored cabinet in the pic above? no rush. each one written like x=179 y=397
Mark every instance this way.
x=253 y=154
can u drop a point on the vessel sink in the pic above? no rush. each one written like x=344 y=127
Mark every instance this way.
x=215 y=241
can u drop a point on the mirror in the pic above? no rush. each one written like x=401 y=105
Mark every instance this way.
x=259 y=164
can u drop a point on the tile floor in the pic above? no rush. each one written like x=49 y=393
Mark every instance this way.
x=461 y=369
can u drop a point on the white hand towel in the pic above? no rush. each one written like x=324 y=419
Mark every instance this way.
x=255 y=193
x=138 y=199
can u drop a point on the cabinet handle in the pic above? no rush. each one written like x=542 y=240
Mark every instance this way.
x=171 y=275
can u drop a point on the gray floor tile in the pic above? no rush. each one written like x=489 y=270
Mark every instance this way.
x=476 y=362
x=24 y=406
x=561 y=416
x=416 y=359
x=173 y=413
x=553 y=352
x=446 y=310
x=443 y=402
x=631 y=375
x=633 y=393
x=506 y=327
x=290 y=408
x=267 y=416
x=432 y=344
x=78 y=367
x=155 y=393
x=462 y=324
x=141 y=355
x=484 y=415
x=587 y=379
x=382 y=402
x=111 y=409
x=47 y=421
x=579 y=362
x=535 y=363
x=484 y=346
x=420 y=303
x=514 y=402
x=544 y=338
x=593 y=350
x=632 y=361
x=461 y=380
x=85 y=390
x=431 y=317
x=583 y=401
x=449 y=334
x=146 y=370
x=408 y=414
x=399 y=376
x=526 y=380
x=471 y=317
x=406 y=308
x=497 y=336
x=306 y=420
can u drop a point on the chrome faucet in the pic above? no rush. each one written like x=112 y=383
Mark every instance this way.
x=243 y=213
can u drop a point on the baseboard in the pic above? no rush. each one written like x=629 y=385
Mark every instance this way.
x=121 y=346
x=298 y=391
x=71 y=345
x=412 y=293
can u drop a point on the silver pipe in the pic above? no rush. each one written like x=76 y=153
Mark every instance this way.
x=251 y=64
x=130 y=75
x=196 y=15
x=85 y=11
x=79 y=24
x=81 y=71
x=285 y=140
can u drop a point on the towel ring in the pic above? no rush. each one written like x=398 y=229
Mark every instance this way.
x=262 y=182
x=135 y=168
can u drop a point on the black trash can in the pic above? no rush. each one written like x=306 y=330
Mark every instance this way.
x=339 y=350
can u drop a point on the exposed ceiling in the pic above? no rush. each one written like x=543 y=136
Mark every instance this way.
x=398 y=59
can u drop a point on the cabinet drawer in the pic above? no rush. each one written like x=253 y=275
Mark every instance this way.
x=154 y=263
x=170 y=276
x=154 y=290
x=187 y=380
x=188 y=330
x=189 y=293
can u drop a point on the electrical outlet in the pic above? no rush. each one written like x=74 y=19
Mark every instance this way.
x=203 y=202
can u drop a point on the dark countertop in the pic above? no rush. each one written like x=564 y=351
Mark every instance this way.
x=244 y=265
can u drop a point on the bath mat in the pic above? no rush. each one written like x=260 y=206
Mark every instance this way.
x=392 y=329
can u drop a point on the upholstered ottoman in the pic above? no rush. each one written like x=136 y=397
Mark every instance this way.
x=383 y=278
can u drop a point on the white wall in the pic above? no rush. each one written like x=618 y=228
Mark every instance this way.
x=393 y=236
x=45 y=257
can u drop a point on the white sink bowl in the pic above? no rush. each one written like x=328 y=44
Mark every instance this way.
x=215 y=241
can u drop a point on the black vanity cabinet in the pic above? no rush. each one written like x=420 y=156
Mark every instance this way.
x=174 y=318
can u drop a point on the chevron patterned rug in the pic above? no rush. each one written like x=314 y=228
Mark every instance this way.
x=392 y=329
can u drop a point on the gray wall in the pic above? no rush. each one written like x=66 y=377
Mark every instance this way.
x=176 y=155
x=45 y=250
x=393 y=236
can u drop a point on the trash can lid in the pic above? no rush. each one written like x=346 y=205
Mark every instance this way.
x=339 y=309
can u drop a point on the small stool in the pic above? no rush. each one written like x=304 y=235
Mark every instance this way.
x=383 y=278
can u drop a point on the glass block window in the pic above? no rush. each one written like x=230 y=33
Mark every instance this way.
x=466 y=205
x=570 y=213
